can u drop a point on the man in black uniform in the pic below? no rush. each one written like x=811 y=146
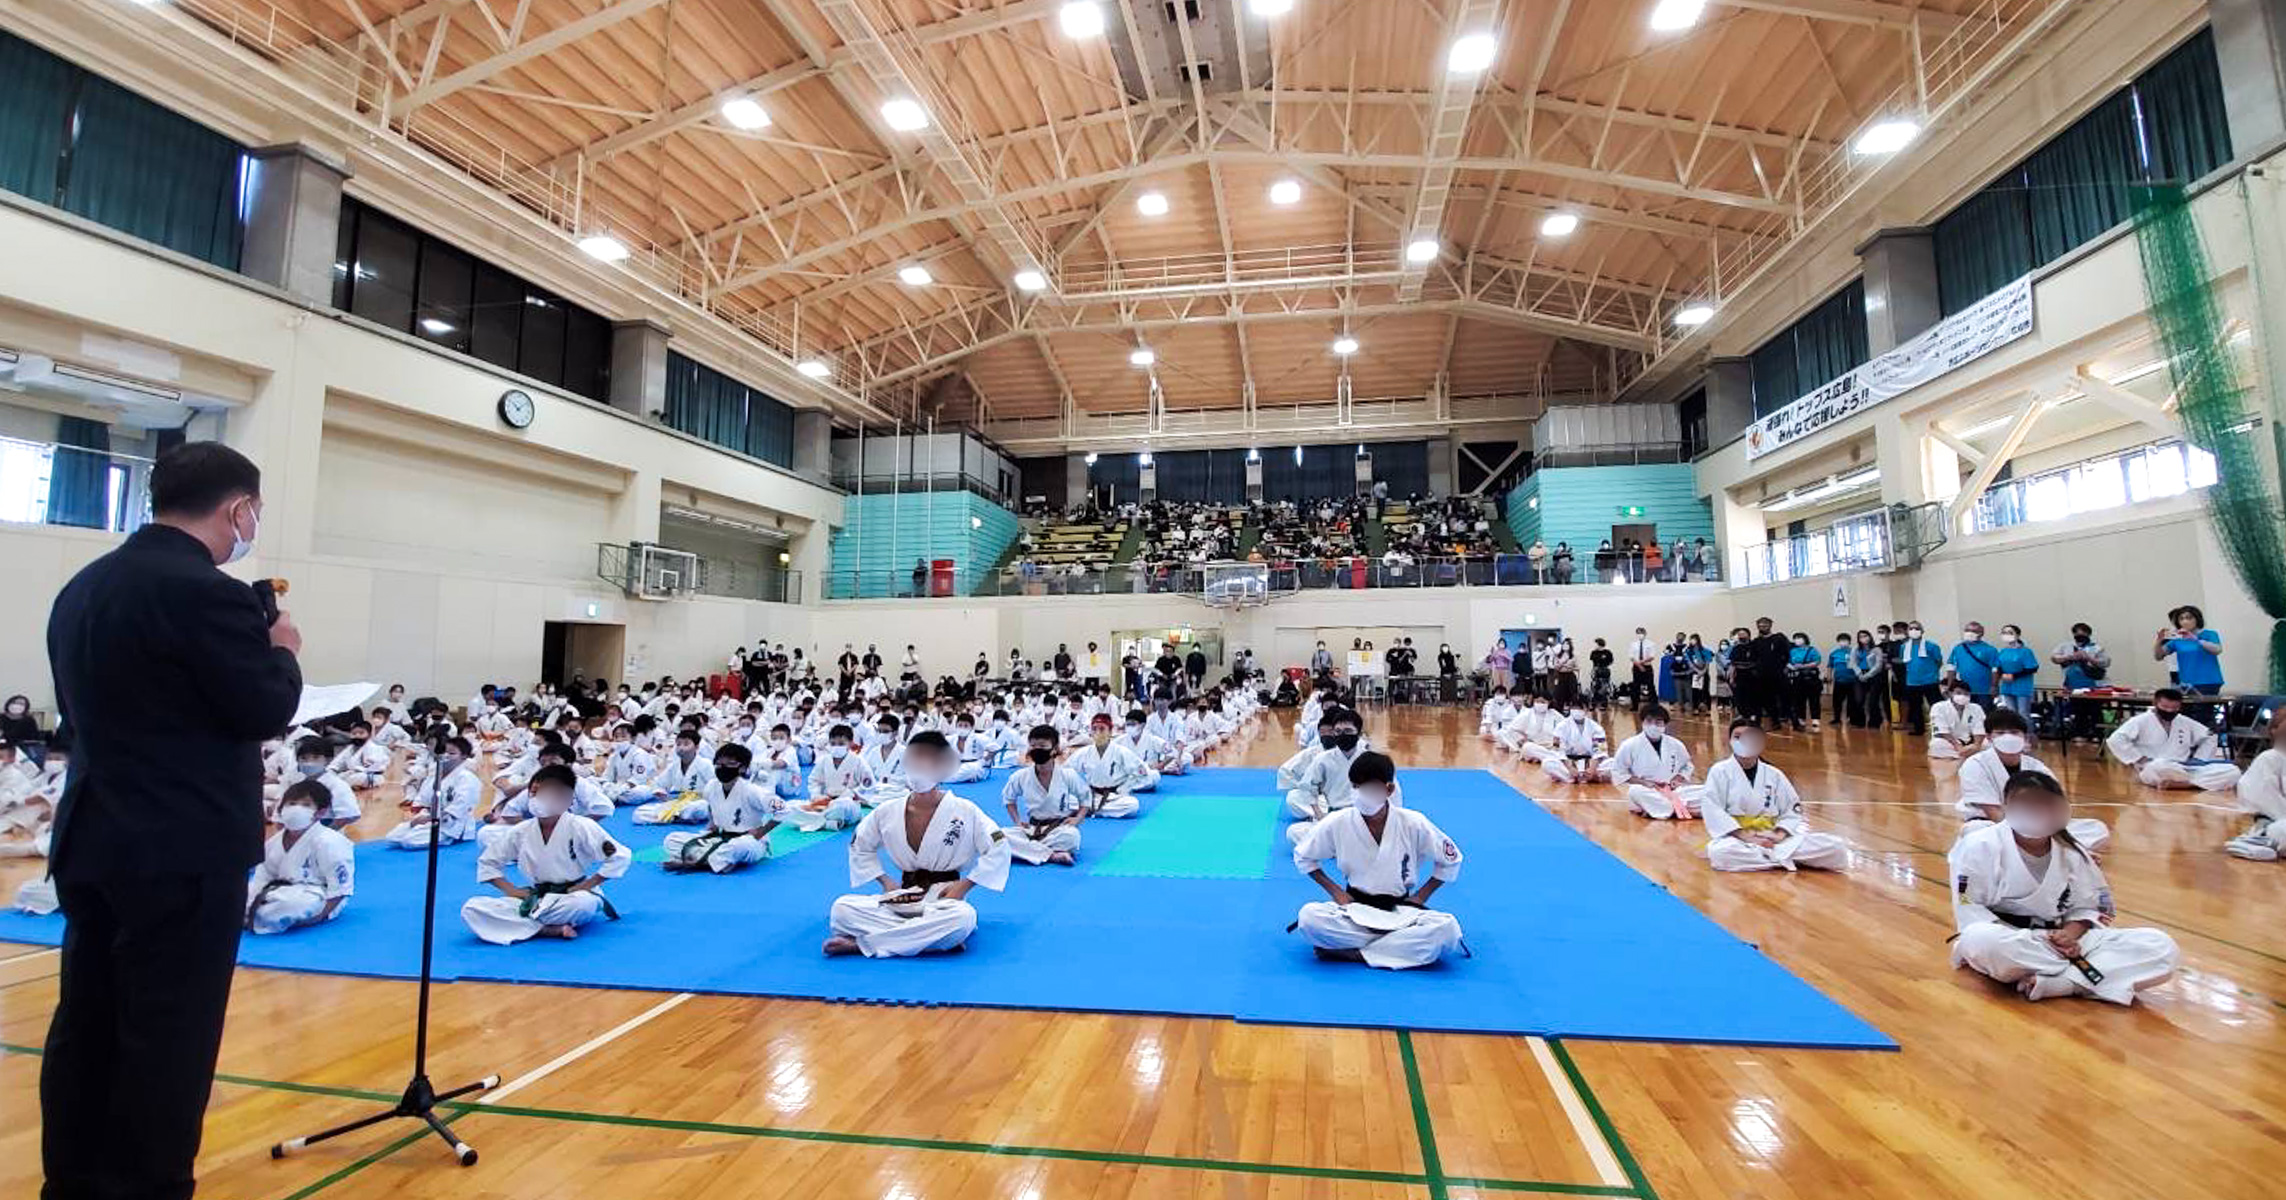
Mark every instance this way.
x=168 y=674
x=1771 y=650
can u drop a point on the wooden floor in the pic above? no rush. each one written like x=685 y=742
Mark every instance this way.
x=616 y=1093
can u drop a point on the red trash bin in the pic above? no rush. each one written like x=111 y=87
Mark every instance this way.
x=941 y=577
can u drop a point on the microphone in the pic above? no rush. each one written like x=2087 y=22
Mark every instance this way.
x=266 y=593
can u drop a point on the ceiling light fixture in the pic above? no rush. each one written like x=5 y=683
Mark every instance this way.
x=815 y=368
x=1141 y=356
x=1152 y=204
x=905 y=115
x=1422 y=250
x=915 y=275
x=1561 y=224
x=1691 y=316
x=1286 y=191
x=1345 y=345
x=430 y=325
x=1031 y=281
x=1271 y=8
x=1081 y=19
x=603 y=247
x=1673 y=15
x=1886 y=137
x=1472 y=54
x=745 y=112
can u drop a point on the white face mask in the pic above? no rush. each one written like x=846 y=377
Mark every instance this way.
x=1577 y=715
x=240 y=547
x=1913 y=633
x=2034 y=824
x=1655 y=730
x=1370 y=800
x=2009 y=638
x=1745 y=748
x=1539 y=706
x=1971 y=635
x=2008 y=743
x=297 y=817
x=921 y=778
x=550 y=806
x=1960 y=700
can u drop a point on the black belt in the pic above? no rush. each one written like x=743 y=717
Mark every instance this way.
x=927 y=879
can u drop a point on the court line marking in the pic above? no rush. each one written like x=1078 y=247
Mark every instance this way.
x=1424 y=1129
x=1583 y=1126
x=1595 y=1109
x=997 y=1149
x=30 y=954
x=584 y=1049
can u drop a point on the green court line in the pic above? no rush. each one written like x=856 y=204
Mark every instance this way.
x=1422 y=1125
x=1603 y=1123
x=831 y=1137
x=1557 y=1189
x=353 y=1168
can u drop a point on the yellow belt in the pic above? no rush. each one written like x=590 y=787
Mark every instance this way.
x=677 y=806
x=1758 y=824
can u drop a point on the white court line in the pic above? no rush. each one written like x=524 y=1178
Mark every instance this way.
x=582 y=1050
x=29 y=954
x=1598 y=1151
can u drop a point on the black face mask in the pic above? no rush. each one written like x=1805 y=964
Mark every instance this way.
x=1345 y=742
x=1327 y=740
x=728 y=774
x=1041 y=756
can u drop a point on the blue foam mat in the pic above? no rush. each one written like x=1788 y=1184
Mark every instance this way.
x=1568 y=940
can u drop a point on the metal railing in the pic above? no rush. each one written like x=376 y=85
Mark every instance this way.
x=1214 y=581
x=735 y=580
x=46 y=483
x=1858 y=543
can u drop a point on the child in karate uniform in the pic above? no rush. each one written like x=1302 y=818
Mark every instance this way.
x=1956 y=728
x=1392 y=860
x=742 y=816
x=2034 y=910
x=1754 y=816
x=362 y=764
x=453 y=819
x=1046 y=804
x=924 y=906
x=564 y=856
x=307 y=870
x=2262 y=793
x=1579 y=757
x=313 y=758
x=1655 y=771
x=1109 y=770
x=837 y=780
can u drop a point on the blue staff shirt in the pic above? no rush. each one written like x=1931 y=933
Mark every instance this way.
x=1973 y=662
x=1923 y=660
x=2196 y=667
x=2021 y=663
x=1839 y=661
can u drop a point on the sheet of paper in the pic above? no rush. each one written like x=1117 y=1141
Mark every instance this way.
x=332 y=698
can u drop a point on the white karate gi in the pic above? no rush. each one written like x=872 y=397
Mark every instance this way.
x=1324 y=783
x=1388 y=867
x=885 y=763
x=2162 y=753
x=456 y=823
x=1531 y=733
x=1064 y=796
x=1984 y=776
x=343 y=808
x=1578 y=756
x=575 y=849
x=1290 y=772
x=1991 y=875
x=2262 y=793
x=975 y=754
x=1115 y=767
x=361 y=766
x=1768 y=801
x=1497 y=712
x=321 y=865
x=1638 y=764
x=680 y=789
x=628 y=774
x=1950 y=720
x=747 y=811
x=959 y=838
x=1154 y=753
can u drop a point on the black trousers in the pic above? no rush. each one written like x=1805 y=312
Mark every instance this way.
x=1646 y=687
x=1918 y=698
x=131 y=1047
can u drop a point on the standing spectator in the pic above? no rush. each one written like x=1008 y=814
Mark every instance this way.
x=1702 y=663
x=2085 y=665
x=2197 y=650
x=1773 y=661
x=1841 y=667
x=1599 y=677
x=920 y=577
x=1804 y=682
x=1918 y=658
x=1642 y=658
x=2015 y=669
x=1448 y=663
x=1195 y=667
x=1538 y=557
x=1973 y=662
x=1498 y=661
x=1563 y=562
x=1872 y=669
x=1678 y=564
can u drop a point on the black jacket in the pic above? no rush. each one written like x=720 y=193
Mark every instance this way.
x=167 y=680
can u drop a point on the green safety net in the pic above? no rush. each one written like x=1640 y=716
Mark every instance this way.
x=2220 y=414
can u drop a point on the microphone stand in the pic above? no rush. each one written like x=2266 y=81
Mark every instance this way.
x=421 y=1098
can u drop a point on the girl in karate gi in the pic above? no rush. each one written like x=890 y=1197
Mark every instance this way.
x=1956 y=728
x=2262 y=792
x=742 y=816
x=1754 y=816
x=1392 y=860
x=1655 y=770
x=307 y=870
x=2034 y=911
x=940 y=847
x=362 y=763
x=564 y=856
x=454 y=819
x=1985 y=775
x=1046 y=804
x=837 y=780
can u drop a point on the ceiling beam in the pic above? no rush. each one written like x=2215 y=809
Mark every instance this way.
x=554 y=39
x=1858 y=12
x=1447 y=128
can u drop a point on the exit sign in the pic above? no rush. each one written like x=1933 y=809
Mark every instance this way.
x=1631 y=510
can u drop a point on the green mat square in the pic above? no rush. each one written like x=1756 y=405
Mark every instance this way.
x=1196 y=837
x=784 y=840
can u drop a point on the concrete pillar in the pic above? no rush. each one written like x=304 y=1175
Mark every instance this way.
x=293 y=220
x=813 y=443
x=1901 y=299
x=1440 y=466
x=1730 y=398
x=639 y=367
x=2250 y=47
x=1075 y=479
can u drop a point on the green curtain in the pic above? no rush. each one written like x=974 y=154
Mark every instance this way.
x=706 y=403
x=79 y=475
x=2080 y=183
x=154 y=174
x=1830 y=341
x=37 y=90
x=2184 y=123
x=1774 y=375
x=2214 y=406
x=1985 y=244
